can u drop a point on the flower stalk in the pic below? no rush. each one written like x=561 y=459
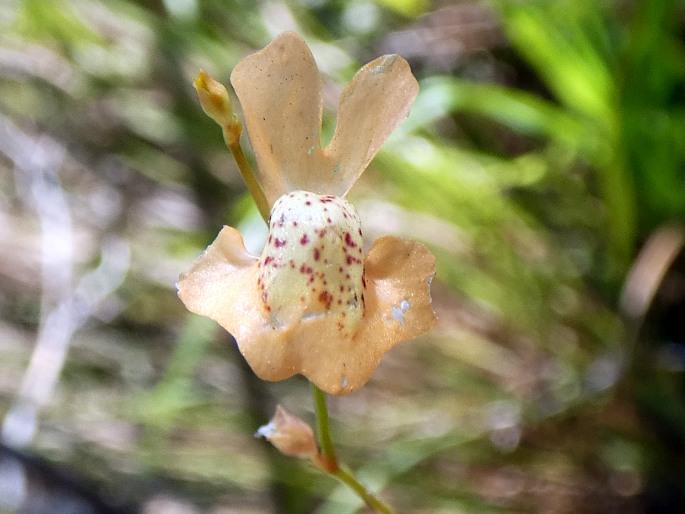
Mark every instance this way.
x=249 y=178
x=217 y=105
x=327 y=461
x=346 y=477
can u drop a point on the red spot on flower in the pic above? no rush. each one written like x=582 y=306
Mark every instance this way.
x=326 y=298
x=349 y=241
x=279 y=242
x=317 y=254
x=304 y=239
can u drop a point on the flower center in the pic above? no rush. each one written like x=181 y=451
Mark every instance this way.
x=312 y=263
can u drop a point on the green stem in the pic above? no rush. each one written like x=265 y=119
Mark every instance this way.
x=345 y=476
x=248 y=176
x=323 y=429
x=328 y=462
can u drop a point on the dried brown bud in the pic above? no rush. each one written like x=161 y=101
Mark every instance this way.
x=290 y=435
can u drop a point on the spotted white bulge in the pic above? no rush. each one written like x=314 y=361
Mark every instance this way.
x=312 y=264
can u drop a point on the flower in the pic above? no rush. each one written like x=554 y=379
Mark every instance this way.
x=311 y=303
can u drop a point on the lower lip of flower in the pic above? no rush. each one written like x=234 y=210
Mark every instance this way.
x=312 y=264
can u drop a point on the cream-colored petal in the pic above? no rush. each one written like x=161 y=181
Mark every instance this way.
x=398 y=299
x=373 y=104
x=221 y=284
x=279 y=89
x=315 y=348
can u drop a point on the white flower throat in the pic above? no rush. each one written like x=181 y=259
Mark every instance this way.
x=312 y=263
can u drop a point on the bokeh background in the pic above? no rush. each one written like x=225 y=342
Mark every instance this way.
x=543 y=163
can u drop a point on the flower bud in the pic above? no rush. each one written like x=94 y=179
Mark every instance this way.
x=217 y=105
x=290 y=435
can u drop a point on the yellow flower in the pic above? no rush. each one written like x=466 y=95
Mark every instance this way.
x=311 y=303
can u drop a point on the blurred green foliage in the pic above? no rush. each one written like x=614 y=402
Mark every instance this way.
x=545 y=151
